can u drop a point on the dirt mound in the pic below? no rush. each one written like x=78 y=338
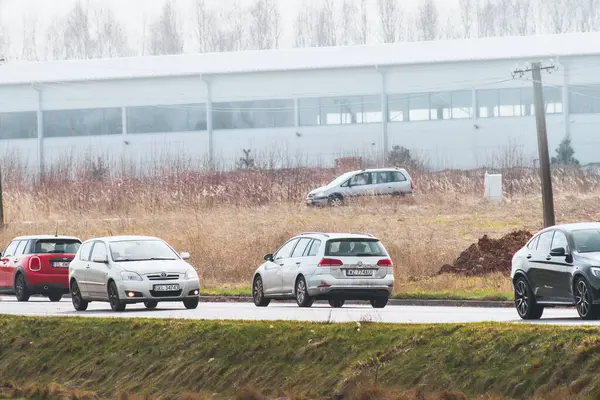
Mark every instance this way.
x=488 y=255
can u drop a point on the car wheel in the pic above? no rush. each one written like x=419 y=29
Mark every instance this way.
x=55 y=297
x=78 y=303
x=302 y=297
x=258 y=295
x=21 y=290
x=525 y=303
x=336 y=303
x=151 y=304
x=113 y=297
x=192 y=303
x=335 y=201
x=379 y=302
x=583 y=299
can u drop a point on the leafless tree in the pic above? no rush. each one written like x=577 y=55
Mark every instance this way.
x=143 y=45
x=467 y=9
x=587 y=15
x=29 y=49
x=238 y=28
x=111 y=37
x=265 y=26
x=54 y=48
x=363 y=22
x=523 y=17
x=560 y=15
x=390 y=18
x=203 y=18
x=487 y=19
x=78 y=41
x=165 y=37
x=316 y=27
x=348 y=24
x=427 y=20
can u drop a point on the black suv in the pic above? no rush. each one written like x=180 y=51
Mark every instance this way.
x=559 y=266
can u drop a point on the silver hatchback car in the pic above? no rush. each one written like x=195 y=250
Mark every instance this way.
x=326 y=266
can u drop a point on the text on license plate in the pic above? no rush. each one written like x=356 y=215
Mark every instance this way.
x=166 y=288
x=61 y=264
x=359 y=272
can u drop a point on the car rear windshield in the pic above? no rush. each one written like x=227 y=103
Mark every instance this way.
x=355 y=248
x=56 y=246
x=587 y=240
x=141 y=250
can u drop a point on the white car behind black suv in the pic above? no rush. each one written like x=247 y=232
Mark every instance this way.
x=326 y=266
x=366 y=182
x=131 y=269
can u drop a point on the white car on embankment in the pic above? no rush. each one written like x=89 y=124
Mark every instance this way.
x=326 y=266
x=125 y=270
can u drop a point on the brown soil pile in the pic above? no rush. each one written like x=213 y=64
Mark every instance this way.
x=488 y=255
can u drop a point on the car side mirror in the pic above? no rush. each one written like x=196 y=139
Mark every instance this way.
x=185 y=255
x=268 y=257
x=558 y=252
x=101 y=260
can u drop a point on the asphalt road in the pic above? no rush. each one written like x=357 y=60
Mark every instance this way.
x=319 y=312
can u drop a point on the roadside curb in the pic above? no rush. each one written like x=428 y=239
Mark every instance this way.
x=392 y=302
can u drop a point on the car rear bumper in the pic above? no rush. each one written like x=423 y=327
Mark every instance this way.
x=143 y=291
x=38 y=283
x=351 y=289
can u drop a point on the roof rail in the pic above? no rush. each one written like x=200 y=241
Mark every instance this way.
x=315 y=233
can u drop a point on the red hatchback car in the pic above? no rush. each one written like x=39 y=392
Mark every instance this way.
x=37 y=265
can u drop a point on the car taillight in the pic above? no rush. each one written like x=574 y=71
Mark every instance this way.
x=35 y=264
x=330 y=262
x=385 y=263
x=412 y=185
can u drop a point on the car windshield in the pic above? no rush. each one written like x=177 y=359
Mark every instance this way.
x=56 y=246
x=340 y=179
x=586 y=240
x=141 y=250
x=355 y=248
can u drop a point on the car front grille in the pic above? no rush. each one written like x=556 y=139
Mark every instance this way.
x=159 y=277
x=154 y=293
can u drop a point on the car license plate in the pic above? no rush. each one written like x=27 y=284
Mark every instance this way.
x=61 y=264
x=166 y=288
x=359 y=272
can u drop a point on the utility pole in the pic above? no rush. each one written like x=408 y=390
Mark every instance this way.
x=540 y=119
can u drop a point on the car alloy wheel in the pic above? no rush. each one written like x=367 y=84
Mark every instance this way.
x=78 y=303
x=302 y=297
x=584 y=302
x=21 y=291
x=525 y=303
x=113 y=297
x=258 y=295
x=335 y=201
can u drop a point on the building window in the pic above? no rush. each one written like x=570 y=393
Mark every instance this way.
x=397 y=107
x=516 y=102
x=509 y=102
x=553 y=99
x=584 y=99
x=167 y=118
x=340 y=110
x=462 y=104
x=253 y=114
x=98 y=121
x=18 y=125
x=418 y=107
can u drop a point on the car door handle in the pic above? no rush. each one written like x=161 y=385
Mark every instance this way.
x=548 y=258
x=281 y=265
x=299 y=262
x=528 y=256
x=88 y=266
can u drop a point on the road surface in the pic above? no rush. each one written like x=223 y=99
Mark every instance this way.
x=319 y=312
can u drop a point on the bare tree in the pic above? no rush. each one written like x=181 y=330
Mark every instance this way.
x=238 y=28
x=467 y=8
x=78 y=41
x=523 y=18
x=560 y=15
x=29 y=49
x=111 y=38
x=202 y=18
x=316 y=27
x=427 y=20
x=363 y=22
x=587 y=15
x=487 y=19
x=348 y=23
x=165 y=37
x=54 y=48
x=265 y=26
x=390 y=18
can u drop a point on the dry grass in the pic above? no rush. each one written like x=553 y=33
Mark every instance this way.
x=229 y=220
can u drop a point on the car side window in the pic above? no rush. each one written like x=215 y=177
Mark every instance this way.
x=560 y=240
x=380 y=177
x=360 y=179
x=10 y=250
x=532 y=245
x=20 y=248
x=314 y=248
x=301 y=247
x=397 y=176
x=285 y=250
x=99 y=251
x=545 y=241
x=84 y=254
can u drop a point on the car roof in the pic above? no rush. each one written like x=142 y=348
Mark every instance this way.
x=377 y=170
x=574 y=226
x=40 y=237
x=124 y=238
x=337 y=235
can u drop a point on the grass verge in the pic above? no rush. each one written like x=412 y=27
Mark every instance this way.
x=168 y=358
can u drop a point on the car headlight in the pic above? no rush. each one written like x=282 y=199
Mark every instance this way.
x=191 y=274
x=130 y=276
x=320 y=194
x=595 y=271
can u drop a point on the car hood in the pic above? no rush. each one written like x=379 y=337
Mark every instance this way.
x=592 y=258
x=319 y=189
x=156 y=266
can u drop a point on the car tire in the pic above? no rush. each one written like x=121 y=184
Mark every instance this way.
x=525 y=303
x=336 y=303
x=379 y=302
x=78 y=302
x=55 y=297
x=335 y=200
x=113 y=297
x=192 y=303
x=21 y=289
x=151 y=305
x=258 y=295
x=302 y=297
x=584 y=301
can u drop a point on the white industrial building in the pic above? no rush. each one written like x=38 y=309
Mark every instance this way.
x=453 y=102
